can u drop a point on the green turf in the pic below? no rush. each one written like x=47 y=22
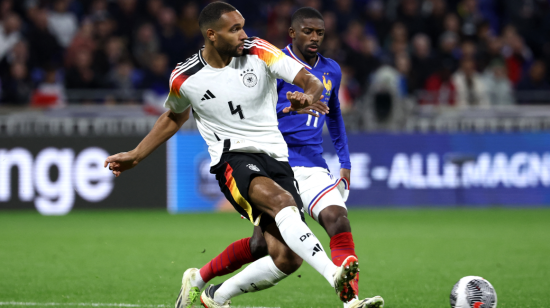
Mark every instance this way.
x=410 y=257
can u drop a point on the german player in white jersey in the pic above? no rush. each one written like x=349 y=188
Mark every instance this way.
x=322 y=194
x=231 y=87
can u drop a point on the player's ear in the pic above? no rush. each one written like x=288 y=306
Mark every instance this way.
x=291 y=33
x=211 y=35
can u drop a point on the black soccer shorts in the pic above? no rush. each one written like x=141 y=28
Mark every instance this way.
x=236 y=170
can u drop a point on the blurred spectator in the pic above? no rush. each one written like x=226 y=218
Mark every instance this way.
x=127 y=17
x=353 y=36
x=403 y=66
x=423 y=63
x=122 y=79
x=409 y=15
x=517 y=55
x=189 y=26
x=6 y=7
x=82 y=75
x=376 y=22
x=535 y=82
x=17 y=87
x=492 y=53
x=145 y=45
x=435 y=20
x=43 y=44
x=104 y=27
x=330 y=24
x=9 y=33
x=83 y=40
x=499 y=86
x=278 y=22
x=448 y=49
x=471 y=17
x=345 y=12
x=172 y=42
x=62 y=23
x=106 y=58
x=398 y=34
x=367 y=61
x=451 y=23
x=18 y=54
x=98 y=8
x=470 y=86
x=439 y=88
x=157 y=74
x=332 y=48
x=154 y=8
x=349 y=89
x=50 y=92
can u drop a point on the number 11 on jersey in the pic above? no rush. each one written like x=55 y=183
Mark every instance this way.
x=308 y=123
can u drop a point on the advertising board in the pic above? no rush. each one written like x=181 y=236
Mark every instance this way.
x=490 y=169
x=56 y=174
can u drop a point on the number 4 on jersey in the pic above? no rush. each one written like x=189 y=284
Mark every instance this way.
x=236 y=110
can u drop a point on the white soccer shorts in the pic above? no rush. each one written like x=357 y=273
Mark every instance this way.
x=319 y=189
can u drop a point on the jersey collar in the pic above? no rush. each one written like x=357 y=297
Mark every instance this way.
x=289 y=49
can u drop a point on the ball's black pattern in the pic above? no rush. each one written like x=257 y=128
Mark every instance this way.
x=479 y=291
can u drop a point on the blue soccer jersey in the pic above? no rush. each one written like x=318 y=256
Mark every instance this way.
x=303 y=132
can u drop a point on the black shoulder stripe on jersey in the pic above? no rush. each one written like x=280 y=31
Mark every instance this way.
x=187 y=61
x=189 y=68
x=201 y=58
x=194 y=69
x=248 y=44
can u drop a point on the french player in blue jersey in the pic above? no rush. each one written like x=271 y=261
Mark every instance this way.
x=322 y=194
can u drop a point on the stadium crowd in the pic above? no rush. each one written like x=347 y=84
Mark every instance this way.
x=447 y=52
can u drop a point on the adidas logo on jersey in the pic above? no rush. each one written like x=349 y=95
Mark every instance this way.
x=208 y=95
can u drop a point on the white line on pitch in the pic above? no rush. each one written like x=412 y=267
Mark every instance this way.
x=98 y=305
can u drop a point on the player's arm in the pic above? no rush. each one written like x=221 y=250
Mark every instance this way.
x=165 y=127
x=337 y=131
x=313 y=88
x=283 y=108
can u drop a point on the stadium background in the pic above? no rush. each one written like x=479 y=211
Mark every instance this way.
x=445 y=103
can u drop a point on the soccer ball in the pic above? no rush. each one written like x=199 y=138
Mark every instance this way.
x=473 y=292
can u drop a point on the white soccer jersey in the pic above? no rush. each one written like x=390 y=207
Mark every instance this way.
x=234 y=106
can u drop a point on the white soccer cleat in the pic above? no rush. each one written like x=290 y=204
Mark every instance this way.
x=373 y=302
x=188 y=294
x=342 y=277
x=207 y=298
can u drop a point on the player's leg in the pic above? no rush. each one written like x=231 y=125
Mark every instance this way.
x=282 y=174
x=261 y=274
x=323 y=200
x=272 y=199
x=237 y=254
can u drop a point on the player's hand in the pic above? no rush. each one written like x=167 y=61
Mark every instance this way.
x=299 y=100
x=121 y=162
x=318 y=106
x=346 y=173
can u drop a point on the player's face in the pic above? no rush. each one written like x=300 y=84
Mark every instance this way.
x=231 y=35
x=308 y=36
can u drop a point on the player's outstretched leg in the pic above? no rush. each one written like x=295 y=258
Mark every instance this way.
x=280 y=204
x=236 y=255
x=260 y=275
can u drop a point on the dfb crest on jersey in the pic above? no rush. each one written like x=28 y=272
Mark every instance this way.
x=249 y=78
x=253 y=167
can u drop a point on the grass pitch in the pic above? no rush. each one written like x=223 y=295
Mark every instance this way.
x=410 y=257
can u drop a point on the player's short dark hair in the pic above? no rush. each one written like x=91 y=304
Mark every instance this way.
x=213 y=12
x=305 y=13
